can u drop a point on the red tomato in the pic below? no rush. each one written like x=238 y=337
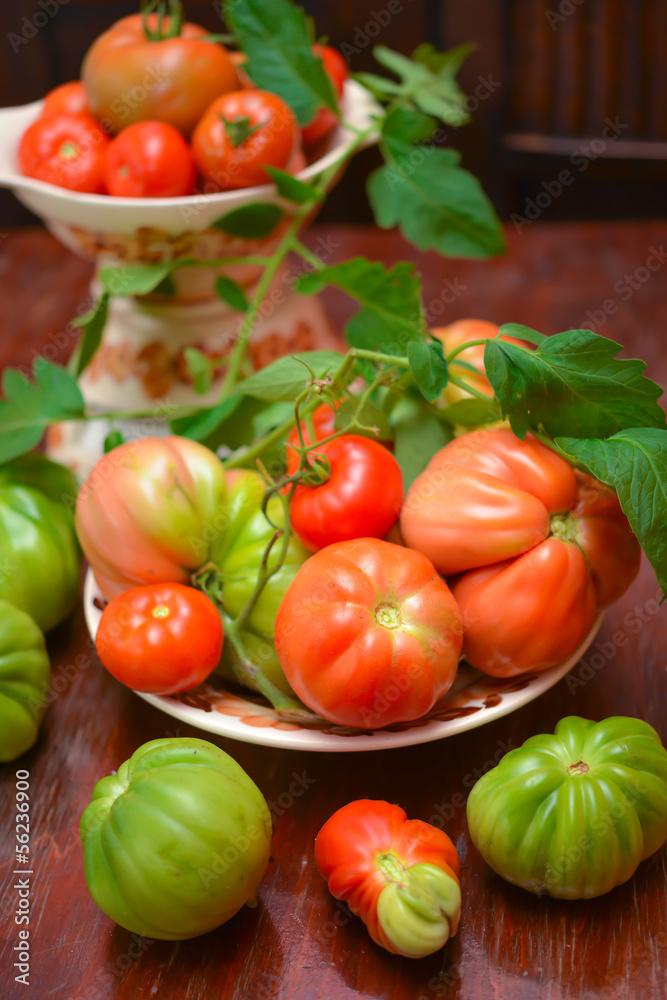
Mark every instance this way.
x=130 y=77
x=160 y=638
x=149 y=160
x=361 y=499
x=239 y=135
x=68 y=98
x=67 y=150
x=399 y=875
x=325 y=120
x=544 y=547
x=368 y=634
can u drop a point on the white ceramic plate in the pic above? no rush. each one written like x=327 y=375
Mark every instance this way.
x=474 y=700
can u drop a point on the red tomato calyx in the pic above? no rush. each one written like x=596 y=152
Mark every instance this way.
x=161 y=611
x=388 y=615
x=581 y=767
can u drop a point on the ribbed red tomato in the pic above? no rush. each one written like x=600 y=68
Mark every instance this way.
x=399 y=875
x=544 y=547
x=368 y=634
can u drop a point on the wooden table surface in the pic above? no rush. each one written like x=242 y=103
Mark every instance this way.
x=298 y=944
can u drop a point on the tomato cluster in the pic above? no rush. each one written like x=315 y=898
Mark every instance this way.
x=161 y=111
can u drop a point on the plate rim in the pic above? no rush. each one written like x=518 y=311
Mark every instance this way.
x=313 y=740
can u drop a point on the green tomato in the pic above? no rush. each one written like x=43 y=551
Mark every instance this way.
x=40 y=552
x=572 y=815
x=238 y=553
x=177 y=841
x=24 y=681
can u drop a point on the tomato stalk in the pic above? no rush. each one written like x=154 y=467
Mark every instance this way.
x=172 y=9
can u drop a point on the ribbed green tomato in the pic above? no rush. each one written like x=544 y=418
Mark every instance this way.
x=24 y=681
x=177 y=841
x=572 y=815
x=39 y=554
x=238 y=553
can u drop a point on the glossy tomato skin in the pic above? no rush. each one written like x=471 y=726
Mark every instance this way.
x=399 y=875
x=361 y=499
x=572 y=815
x=161 y=638
x=129 y=78
x=484 y=498
x=225 y=166
x=150 y=512
x=154 y=834
x=25 y=674
x=68 y=98
x=368 y=634
x=149 y=160
x=66 y=150
x=325 y=120
x=528 y=613
x=238 y=552
x=543 y=547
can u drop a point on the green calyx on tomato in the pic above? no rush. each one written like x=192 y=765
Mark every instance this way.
x=24 y=681
x=240 y=128
x=418 y=907
x=155 y=835
x=572 y=815
x=169 y=19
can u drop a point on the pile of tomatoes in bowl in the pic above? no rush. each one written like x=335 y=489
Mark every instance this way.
x=163 y=110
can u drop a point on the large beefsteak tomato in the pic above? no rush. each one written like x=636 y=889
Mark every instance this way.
x=545 y=547
x=573 y=814
x=368 y=634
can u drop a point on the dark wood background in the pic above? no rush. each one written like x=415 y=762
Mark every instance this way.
x=556 y=71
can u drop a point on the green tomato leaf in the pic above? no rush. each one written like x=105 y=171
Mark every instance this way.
x=634 y=463
x=572 y=384
x=391 y=309
x=418 y=435
x=435 y=204
x=200 y=426
x=275 y=36
x=134 y=279
x=428 y=80
x=251 y=222
x=93 y=324
x=429 y=368
x=231 y=293
x=287 y=377
x=522 y=332
x=113 y=440
x=404 y=127
x=199 y=366
x=292 y=188
x=379 y=86
x=471 y=412
x=29 y=407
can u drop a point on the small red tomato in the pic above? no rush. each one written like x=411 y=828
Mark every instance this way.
x=361 y=498
x=68 y=99
x=160 y=638
x=149 y=160
x=399 y=875
x=325 y=120
x=241 y=134
x=66 y=150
